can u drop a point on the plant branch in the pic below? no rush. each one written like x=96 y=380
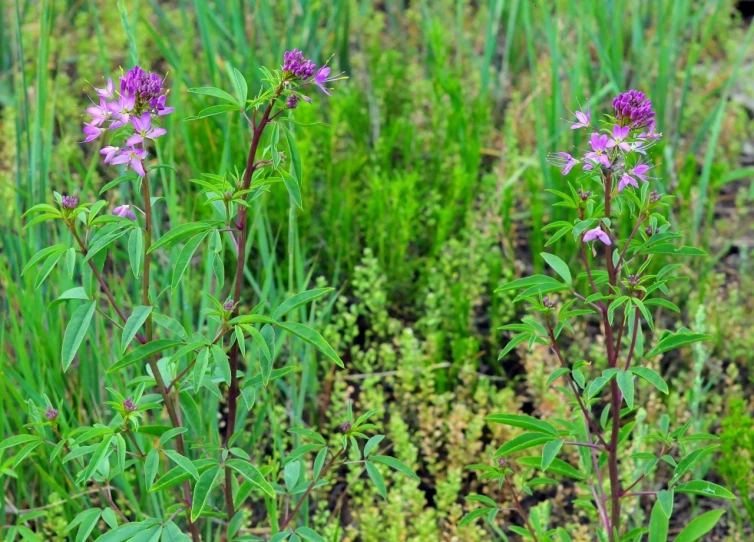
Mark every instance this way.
x=242 y=225
x=520 y=509
x=324 y=470
x=167 y=399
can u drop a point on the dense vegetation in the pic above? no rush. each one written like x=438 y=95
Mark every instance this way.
x=422 y=194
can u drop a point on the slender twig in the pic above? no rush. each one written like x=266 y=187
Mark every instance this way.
x=520 y=509
x=131 y=437
x=574 y=389
x=638 y=493
x=242 y=225
x=585 y=445
x=631 y=348
x=639 y=222
x=167 y=399
x=324 y=470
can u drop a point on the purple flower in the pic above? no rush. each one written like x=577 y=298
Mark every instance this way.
x=142 y=85
x=129 y=405
x=51 y=413
x=69 y=202
x=228 y=305
x=345 y=426
x=124 y=211
x=123 y=109
x=91 y=132
x=292 y=102
x=106 y=92
x=100 y=113
x=133 y=157
x=597 y=233
x=625 y=181
x=598 y=142
x=582 y=118
x=144 y=130
x=650 y=133
x=110 y=152
x=620 y=133
x=562 y=160
x=633 y=109
x=655 y=196
x=295 y=65
x=159 y=106
x=640 y=170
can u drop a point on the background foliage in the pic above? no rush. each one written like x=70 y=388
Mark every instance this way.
x=423 y=193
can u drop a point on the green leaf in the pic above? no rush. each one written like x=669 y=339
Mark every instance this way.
x=75 y=332
x=705 y=489
x=558 y=466
x=252 y=474
x=73 y=293
x=213 y=110
x=527 y=282
x=265 y=359
x=142 y=352
x=515 y=341
x=221 y=362
x=167 y=435
x=151 y=465
x=170 y=324
x=294 y=190
x=377 y=479
x=688 y=462
x=308 y=433
x=557 y=373
x=16 y=440
x=133 y=324
x=371 y=444
x=309 y=534
x=523 y=442
x=127 y=531
x=625 y=381
x=652 y=377
x=44 y=253
x=658 y=524
x=136 y=250
x=676 y=340
x=549 y=451
x=202 y=490
x=102 y=449
x=115 y=182
x=215 y=93
x=177 y=234
x=295 y=156
x=47 y=268
x=394 y=464
x=70 y=261
x=474 y=514
x=183 y=462
x=87 y=523
x=558 y=265
x=700 y=526
x=523 y=421
x=102 y=242
x=173 y=533
x=200 y=368
x=298 y=300
x=184 y=258
x=314 y=338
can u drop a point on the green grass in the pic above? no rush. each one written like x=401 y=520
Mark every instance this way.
x=435 y=145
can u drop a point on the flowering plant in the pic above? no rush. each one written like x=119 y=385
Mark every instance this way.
x=198 y=471
x=619 y=286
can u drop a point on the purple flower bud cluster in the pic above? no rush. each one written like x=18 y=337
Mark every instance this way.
x=51 y=413
x=129 y=405
x=69 y=202
x=633 y=109
x=633 y=280
x=345 y=427
x=228 y=305
x=292 y=102
x=295 y=65
x=584 y=195
x=141 y=100
x=655 y=196
x=548 y=302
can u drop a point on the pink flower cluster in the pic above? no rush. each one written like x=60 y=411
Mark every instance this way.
x=141 y=99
